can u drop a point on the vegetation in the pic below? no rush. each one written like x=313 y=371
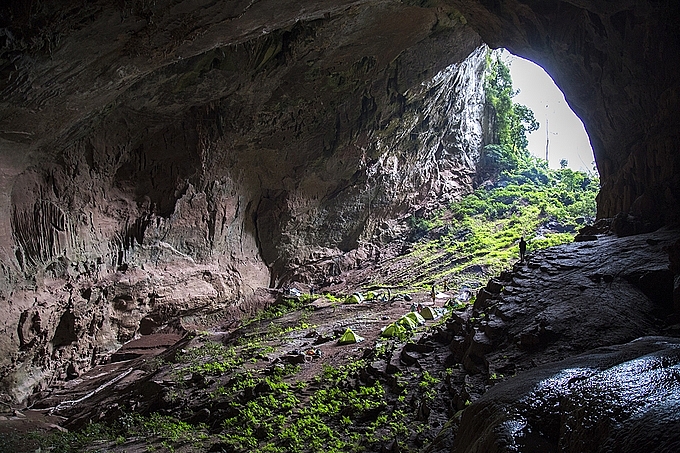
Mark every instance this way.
x=281 y=419
x=269 y=407
x=513 y=121
x=518 y=196
x=57 y=441
x=283 y=306
x=545 y=206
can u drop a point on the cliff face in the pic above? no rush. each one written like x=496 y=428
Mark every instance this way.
x=171 y=158
x=615 y=63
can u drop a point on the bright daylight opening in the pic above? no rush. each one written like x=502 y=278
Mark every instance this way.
x=561 y=134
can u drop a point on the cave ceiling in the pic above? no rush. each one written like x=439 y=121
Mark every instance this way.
x=68 y=67
x=149 y=147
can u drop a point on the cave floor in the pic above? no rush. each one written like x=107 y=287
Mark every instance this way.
x=562 y=302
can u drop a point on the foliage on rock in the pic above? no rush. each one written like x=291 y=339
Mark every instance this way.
x=517 y=195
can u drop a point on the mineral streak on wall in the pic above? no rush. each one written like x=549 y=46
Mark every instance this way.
x=166 y=158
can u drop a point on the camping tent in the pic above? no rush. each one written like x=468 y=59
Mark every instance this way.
x=355 y=298
x=392 y=330
x=349 y=337
x=416 y=317
x=407 y=323
x=431 y=313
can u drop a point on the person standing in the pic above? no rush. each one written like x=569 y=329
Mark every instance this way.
x=522 y=249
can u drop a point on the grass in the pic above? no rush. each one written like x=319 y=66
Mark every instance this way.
x=483 y=230
x=341 y=409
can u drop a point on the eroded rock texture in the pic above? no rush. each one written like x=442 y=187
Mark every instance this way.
x=162 y=158
x=616 y=63
x=620 y=398
x=165 y=158
x=580 y=344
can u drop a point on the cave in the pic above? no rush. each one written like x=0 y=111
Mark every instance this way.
x=561 y=136
x=199 y=159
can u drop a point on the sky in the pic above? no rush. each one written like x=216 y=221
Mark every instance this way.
x=567 y=136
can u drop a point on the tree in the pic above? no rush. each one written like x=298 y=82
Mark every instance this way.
x=499 y=93
x=522 y=121
x=513 y=121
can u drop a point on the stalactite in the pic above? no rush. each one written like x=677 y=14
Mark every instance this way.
x=124 y=241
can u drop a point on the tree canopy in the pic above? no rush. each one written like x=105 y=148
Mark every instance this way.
x=513 y=121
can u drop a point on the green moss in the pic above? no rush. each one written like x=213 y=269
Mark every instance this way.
x=66 y=442
x=486 y=226
x=282 y=307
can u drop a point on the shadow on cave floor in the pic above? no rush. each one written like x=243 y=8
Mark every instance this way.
x=282 y=383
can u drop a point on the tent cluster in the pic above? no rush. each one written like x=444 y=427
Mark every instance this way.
x=409 y=321
x=380 y=296
x=428 y=312
x=416 y=317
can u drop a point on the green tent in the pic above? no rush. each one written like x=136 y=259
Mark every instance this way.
x=355 y=298
x=392 y=330
x=407 y=322
x=416 y=317
x=431 y=313
x=349 y=337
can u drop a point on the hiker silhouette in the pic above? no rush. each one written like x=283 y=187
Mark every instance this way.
x=522 y=249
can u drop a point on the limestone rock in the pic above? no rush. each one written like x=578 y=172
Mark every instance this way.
x=592 y=294
x=175 y=159
x=617 y=398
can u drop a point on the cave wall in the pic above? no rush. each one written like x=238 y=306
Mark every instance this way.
x=171 y=158
x=616 y=63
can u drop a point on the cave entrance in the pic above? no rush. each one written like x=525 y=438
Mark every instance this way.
x=561 y=134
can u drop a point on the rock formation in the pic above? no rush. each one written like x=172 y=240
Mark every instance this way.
x=162 y=159
x=548 y=359
x=618 y=398
x=562 y=334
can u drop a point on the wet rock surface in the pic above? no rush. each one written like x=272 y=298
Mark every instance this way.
x=579 y=296
x=562 y=303
x=622 y=398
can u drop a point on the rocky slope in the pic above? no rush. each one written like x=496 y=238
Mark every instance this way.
x=552 y=313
